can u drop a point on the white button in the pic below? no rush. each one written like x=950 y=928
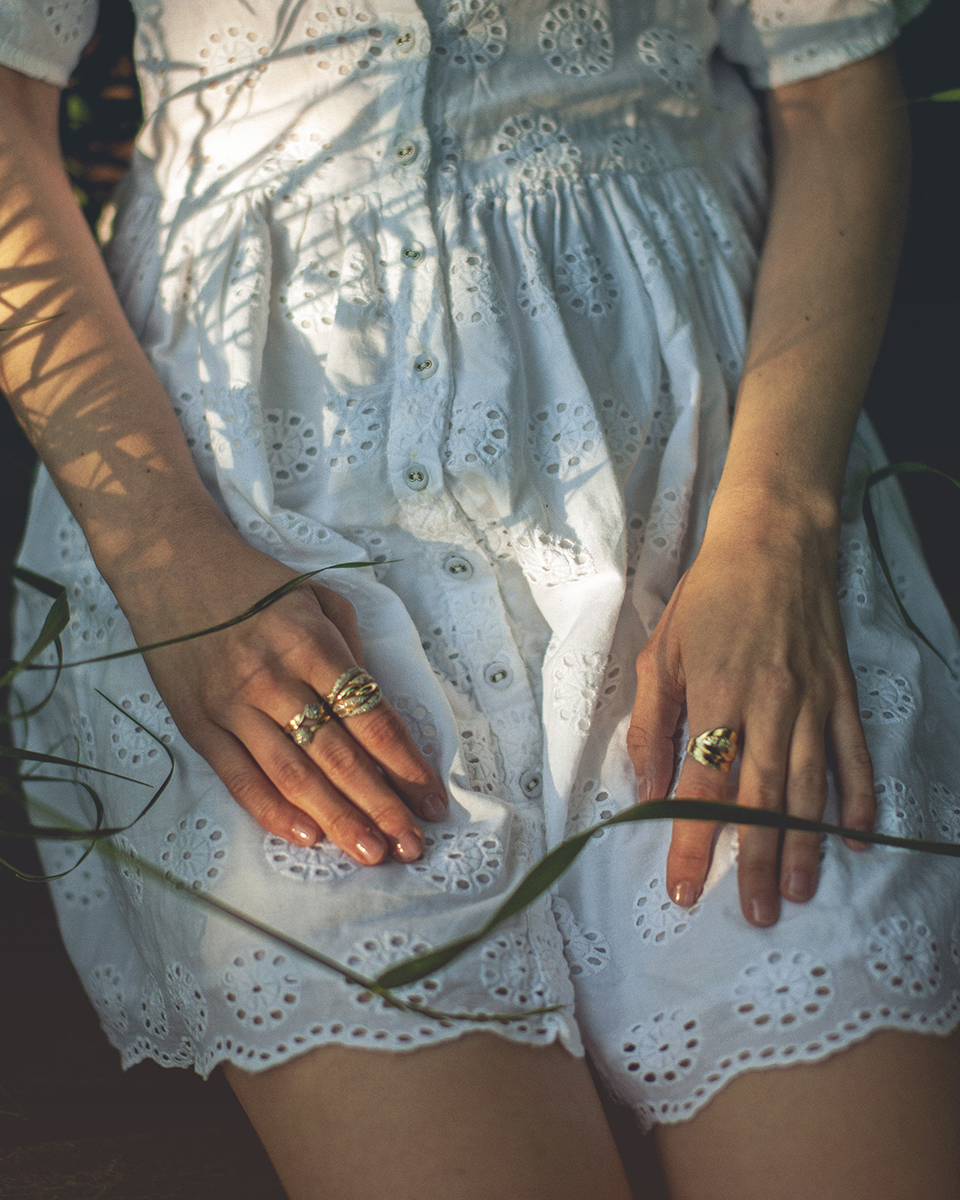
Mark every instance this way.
x=457 y=566
x=405 y=41
x=405 y=150
x=416 y=478
x=425 y=365
x=531 y=783
x=498 y=675
x=412 y=254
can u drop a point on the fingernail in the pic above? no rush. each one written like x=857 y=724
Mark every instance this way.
x=371 y=846
x=304 y=831
x=409 y=846
x=434 y=807
x=685 y=894
x=763 y=910
x=799 y=885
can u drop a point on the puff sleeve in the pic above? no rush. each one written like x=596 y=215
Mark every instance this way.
x=44 y=38
x=782 y=41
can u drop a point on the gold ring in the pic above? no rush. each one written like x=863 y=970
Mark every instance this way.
x=355 y=692
x=305 y=724
x=716 y=748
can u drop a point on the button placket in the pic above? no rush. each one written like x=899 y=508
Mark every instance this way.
x=498 y=675
x=413 y=253
x=425 y=365
x=458 y=567
x=531 y=784
x=416 y=477
x=406 y=151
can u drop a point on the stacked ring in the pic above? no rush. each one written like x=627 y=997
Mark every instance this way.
x=305 y=724
x=716 y=748
x=355 y=692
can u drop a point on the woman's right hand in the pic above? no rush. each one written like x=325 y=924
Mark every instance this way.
x=359 y=781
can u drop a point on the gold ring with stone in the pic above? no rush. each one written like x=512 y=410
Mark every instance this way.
x=305 y=724
x=355 y=692
x=716 y=748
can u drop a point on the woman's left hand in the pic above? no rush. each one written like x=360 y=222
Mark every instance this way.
x=752 y=640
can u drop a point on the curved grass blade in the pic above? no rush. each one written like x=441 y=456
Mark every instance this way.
x=870 y=520
x=553 y=864
x=27 y=324
x=31 y=877
x=55 y=622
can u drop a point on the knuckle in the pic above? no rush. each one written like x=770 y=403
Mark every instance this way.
x=383 y=728
x=341 y=758
x=779 y=683
x=291 y=775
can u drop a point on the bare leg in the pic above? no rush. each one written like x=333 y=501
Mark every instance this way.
x=880 y=1121
x=478 y=1118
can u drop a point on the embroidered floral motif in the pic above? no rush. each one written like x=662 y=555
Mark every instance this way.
x=474 y=299
x=373 y=955
x=575 y=39
x=636 y=536
x=548 y=560
x=344 y=37
x=322 y=863
x=361 y=282
x=538 y=147
x=105 y=985
x=232 y=56
x=309 y=299
x=903 y=954
x=584 y=284
x=262 y=987
x=233 y=420
x=560 y=437
x=356 y=433
x=421 y=725
x=94 y=610
x=189 y=1002
x=460 y=860
x=664 y=1048
x=293 y=444
x=195 y=851
x=477 y=434
x=589 y=808
x=621 y=432
x=577 y=676
x=898 y=810
x=668 y=523
x=473 y=33
x=785 y=987
x=85 y=886
x=513 y=971
x=884 y=695
x=68 y=19
x=480 y=757
x=632 y=150
x=658 y=918
x=853 y=573
x=534 y=293
x=674 y=59
x=587 y=952
x=128 y=869
x=945 y=806
x=132 y=745
x=153 y=1012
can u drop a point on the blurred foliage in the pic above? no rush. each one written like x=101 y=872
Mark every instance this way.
x=100 y=110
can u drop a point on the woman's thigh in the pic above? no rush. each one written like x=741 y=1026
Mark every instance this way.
x=879 y=1121
x=478 y=1118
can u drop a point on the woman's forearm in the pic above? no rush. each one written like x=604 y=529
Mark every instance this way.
x=840 y=182
x=78 y=381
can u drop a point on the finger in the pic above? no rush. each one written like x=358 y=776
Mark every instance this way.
x=341 y=613
x=253 y=791
x=858 y=807
x=364 y=820
x=653 y=724
x=691 y=846
x=762 y=785
x=806 y=796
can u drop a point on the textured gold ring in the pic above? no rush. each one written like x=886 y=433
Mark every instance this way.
x=305 y=724
x=355 y=692
x=716 y=748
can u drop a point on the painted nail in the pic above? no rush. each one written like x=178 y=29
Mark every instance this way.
x=371 y=846
x=434 y=808
x=409 y=846
x=799 y=885
x=304 y=831
x=685 y=894
x=763 y=910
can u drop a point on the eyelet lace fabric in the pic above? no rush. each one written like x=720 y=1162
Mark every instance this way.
x=459 y=289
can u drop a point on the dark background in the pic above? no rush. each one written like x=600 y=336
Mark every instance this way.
x=75 y=1126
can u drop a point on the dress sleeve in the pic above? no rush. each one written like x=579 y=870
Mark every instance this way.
x=44 y=38
x=782 y=41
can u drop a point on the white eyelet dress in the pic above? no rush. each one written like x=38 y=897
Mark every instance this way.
x=459 y=289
